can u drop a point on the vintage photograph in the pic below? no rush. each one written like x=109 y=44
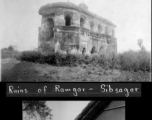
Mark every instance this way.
x=73 y=110
x=75 y=40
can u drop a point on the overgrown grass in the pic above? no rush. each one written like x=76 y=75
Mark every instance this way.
x=135 y=61
x=129 y=61
x=6 y=53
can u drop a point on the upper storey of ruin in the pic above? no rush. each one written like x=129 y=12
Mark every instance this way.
x=69 y=14
x=52 y=8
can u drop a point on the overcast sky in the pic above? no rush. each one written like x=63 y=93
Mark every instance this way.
x=66 y=110
x=19 y=21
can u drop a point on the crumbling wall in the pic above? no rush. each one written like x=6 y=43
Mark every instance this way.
x=46 y=34
x=75 y=35
x=60 y=17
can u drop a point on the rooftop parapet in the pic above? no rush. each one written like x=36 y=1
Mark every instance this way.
x=48 y=9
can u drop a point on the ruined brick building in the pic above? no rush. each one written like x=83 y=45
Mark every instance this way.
x=68 y=27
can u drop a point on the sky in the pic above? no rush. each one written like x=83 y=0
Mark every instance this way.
x=19 y=21
x=66 y=110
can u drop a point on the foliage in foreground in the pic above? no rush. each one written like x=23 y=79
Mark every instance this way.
x=130 y=60
x=134 y=61
x=9 y=52
x=34 y=108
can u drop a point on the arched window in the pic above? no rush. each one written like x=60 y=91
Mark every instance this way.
x=50 y=24
x=106 y=30
x=81 y=22
x=101 y=50
x=91 y=25
x=99 y=28
x=68 y=20
x=93 y=50
x=83 y=51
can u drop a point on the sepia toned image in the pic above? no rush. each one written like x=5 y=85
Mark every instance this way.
x=73 y=110
x=75 y=40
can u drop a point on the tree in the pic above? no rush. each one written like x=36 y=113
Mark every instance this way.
x=33 y=108
x=140 y=43
x=10 y=48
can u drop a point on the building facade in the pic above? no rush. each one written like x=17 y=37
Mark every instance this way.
x=68 y=27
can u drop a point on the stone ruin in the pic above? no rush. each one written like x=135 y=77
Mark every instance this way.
x=66 y=27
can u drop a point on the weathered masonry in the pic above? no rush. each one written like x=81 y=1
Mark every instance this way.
x=68 y=27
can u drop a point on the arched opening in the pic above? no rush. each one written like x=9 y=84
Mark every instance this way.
x=93 y=50
x=101 y=50
x=50 y=24
x=81 y=22
x=68 y=20
x=84 y=51
x=106 y=30
x=91 y=25
x=99 y=28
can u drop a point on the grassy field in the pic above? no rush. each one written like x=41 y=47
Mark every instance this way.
x=23 y=71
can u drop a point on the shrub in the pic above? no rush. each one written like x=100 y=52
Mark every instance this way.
x=134 y=61
x=130 y=61
x=31 y=56
x=52 y=58
x=9 y=53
